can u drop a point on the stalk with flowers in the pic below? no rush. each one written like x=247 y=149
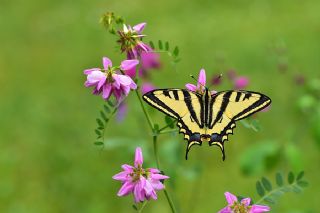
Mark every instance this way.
x=114 y=84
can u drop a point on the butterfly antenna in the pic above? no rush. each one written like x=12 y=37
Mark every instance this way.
x=204 y=86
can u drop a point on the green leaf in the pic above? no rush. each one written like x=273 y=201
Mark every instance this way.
x=169 y=121
x=296 y=189
x=110 y=103
x=160 y=44
x=100 y=128
x=300 y=176
x=259 y=189
x=106 y=109
x=99 y=122
x=255 y=125
x=286 y=189
x=97 y=132
x=270 y=200
x=303 y=183
x=98 y=143
x=151 y=44
x=266 y=183
x=103 y=116
x=135 y=207
x=176 y=51
x=279 y=179
x=167 y=46
x=290 y=177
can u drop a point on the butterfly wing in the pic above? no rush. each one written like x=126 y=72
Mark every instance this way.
x=183 y=105
x=229 y=106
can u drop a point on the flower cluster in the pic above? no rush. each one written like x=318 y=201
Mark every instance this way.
x=130 y=41
x=243 y=206
x=110 y=80
x=143 y=183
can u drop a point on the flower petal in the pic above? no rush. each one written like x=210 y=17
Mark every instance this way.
x=157 y=185
x=116 y=82
x=139 y=27
x=138 y=159
x=106 y=91
x=89 y=71
x=106 y=63
x=124 y=80
x=259 y=209
x=241 y=82
x=226 y=210
x=202 y=78
x=101 y=82
x=129 y=64
x=147 y=87
x=95 y=76
x=230 y=198
x=246 y=201
x=127 y=167
x=159 y=176
x=126 y=188
x=122 y=176
x=191 y=87
x=131 y=72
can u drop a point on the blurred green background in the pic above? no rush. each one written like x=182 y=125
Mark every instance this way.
x=48 y=162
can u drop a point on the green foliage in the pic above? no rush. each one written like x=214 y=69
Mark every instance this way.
x=251 y=123
x=109 y=109
x=110 y=21
x=269 y=195
x=165 y=47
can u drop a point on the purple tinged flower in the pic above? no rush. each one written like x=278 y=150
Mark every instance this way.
x=216 y=79
x=240 y=82
x=130 y=41
x=122 y=111
x=109 y=79
x=143 y=183
x=243 y=206
x=201 y=84
x=146 y=87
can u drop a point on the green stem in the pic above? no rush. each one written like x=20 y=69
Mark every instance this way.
x=168 y=131
x=173 y=209
x=271 y=192
x=144 y=110
x=155 y=148
x=142 y=207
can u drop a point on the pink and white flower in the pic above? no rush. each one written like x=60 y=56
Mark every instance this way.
x=143 y=183
x=243 y=206
x=130 y=41
x=201 y=84
x=110 y=80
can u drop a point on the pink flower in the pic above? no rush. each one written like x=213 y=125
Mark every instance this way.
x=149 y=60
x=122 y=111
x=201 y=84
x=234 y=206
x=130 y=41
x=240 y=82
x=109 y=80
x=147 y=87
x=143 y=183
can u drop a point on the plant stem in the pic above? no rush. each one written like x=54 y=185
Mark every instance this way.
x=173 y=209
x=168 y=131
x=155 y=148
x=142 y=207
x=273 y=191
x=144 y=110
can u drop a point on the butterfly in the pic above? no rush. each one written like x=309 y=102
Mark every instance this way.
x=206 y=117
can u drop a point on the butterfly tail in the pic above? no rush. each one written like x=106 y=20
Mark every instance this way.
x=221 y=145
x=189 y=145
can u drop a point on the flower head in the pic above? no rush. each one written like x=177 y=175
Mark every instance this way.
x=243 y=206
x=109 y=79
x=143 y=183
x=240 y=82
x=130 y=40
x=201 y=84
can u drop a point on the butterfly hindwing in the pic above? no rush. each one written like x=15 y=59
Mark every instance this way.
x=230 y=106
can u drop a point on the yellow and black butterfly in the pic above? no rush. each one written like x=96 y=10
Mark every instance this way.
x=206 y=117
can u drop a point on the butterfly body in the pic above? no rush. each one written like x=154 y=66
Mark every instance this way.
x=205 y=117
